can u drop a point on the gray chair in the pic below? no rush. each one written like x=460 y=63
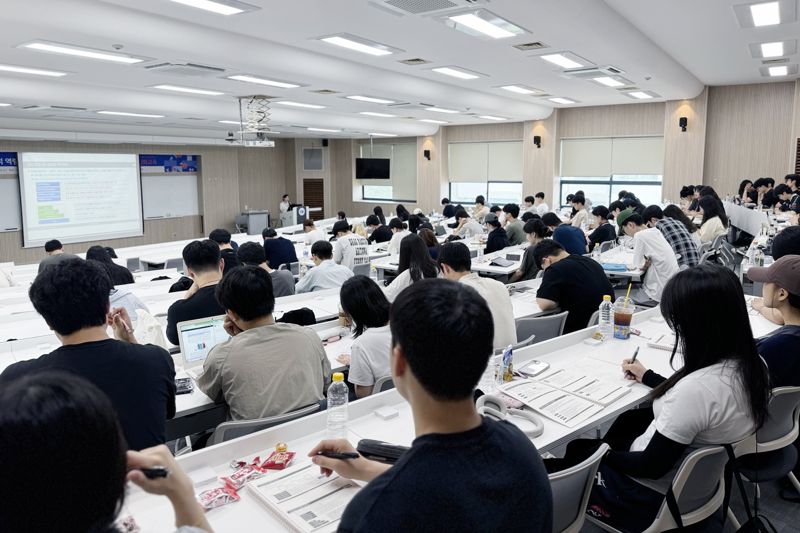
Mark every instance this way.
x=241 y=223
x=133 y=264
x=699 y=489
x=571 y=489
x=294 y=268
x=361 y=270
x=594 y=319
x=606 y=246
x=517 y=346
x=232 y=430
x=176 y=263
x=543 y=327
x=383 y=384
x=718 y=240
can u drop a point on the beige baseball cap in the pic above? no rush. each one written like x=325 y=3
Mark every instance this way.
x=785 y=273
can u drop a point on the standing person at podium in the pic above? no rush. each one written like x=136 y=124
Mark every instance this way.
x=285 y=209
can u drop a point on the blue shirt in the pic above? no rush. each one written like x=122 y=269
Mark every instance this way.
x=279 y=251
x=571 y=238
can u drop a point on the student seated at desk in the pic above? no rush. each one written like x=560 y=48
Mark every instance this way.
x=676 y=235
x=675 y=213
x=226 y=251
x=604 y=230
x=651 y=253
x=467 y=227
x=279 y=250
x=512 y=224
x=571 y=282
x=429 y=238
x=480 y=210
x=350 y=250
x=55 y=254
x=326 y=274
x=265 y=368
x=380 y=232
x=497 y=238
x=252 y=253
x=204 y=266
x=455 y=263
x=402 y=213
x=365 y=305
x=72 y=297
x=571 y=238
x=787 y=242
x=415 y=264
x=119 y=275
x=448 y=209
x=718 y=396
x=378 y=212
x=399 y=231
x=463 y=472
x=581 y=216
x=715 y=222
x=62 y=423
x=312 y=233
x=535 y=232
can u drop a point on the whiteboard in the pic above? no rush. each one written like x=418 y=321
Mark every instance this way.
x=10 y=216
x=170 y=195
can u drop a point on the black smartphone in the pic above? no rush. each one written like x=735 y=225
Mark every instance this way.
x=184 y=385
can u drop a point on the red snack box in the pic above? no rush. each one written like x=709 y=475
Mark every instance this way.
x=278 y=460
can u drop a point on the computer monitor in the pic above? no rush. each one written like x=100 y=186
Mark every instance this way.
x=197 y=337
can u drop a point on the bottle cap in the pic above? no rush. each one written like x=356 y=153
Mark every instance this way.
x=338 y=377
x=606 y=298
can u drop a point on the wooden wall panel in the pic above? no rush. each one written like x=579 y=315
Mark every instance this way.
x=748 y=134
x=684 y=150
x=539 y=164
x=611 y=121
x=262 y=176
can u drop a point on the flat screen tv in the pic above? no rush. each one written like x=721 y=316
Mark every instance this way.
x=372 y=168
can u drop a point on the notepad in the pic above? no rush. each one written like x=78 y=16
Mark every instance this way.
x=664 y=342
x=501 y=262
x=557 y=405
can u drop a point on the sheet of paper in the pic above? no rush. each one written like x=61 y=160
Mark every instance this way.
x=570 y=410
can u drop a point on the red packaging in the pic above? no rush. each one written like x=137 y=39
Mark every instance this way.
x=213 y=498
x=278 y=460
x=242 y=475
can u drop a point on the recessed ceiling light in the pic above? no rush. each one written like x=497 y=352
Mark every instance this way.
x=561 y=60
x=486 y=23
x=491 y=117
x=766 y=14
x=220 y=7
x=55 y=48
x=608 y=81
x=34 y=71
x=324 y=130
x=261 y=81
x=235 y=122
x=782 y=70
x=5 y=105
x=641 y=95
x=772 y=49
x=300 y=104
x=559 y=100
x=359 y=44
x=191 y=90
x=125 y=114
x=383 y=134
x=370 y=99
x=456 y=72
x=440 y=110
x=519 y=89
x=433 y=121
x=373 y=114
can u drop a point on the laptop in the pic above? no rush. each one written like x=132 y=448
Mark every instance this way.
x=440 y=230
x=196 y=338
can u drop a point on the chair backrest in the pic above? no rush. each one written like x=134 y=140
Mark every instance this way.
x=543 y=327
x=133 y=264
x=708 y=257
x=240 y=221
x=361 y=270
x=571 y=489
x=718 y=240
x=176 y=263
x=294 y=268
x=383 y=384
x=232 y=430
x=594 y=319
x=517 y=346
x=606 y=246
x=781 y=427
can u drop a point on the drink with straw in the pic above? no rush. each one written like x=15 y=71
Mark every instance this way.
x=623 y=312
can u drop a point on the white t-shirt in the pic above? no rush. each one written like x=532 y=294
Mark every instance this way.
x=580 y=218
x=394 y=244
x=369 y=356
x=470 y=229
x=542 y=208
x=496 y=296
x=397 y=285
x=351 y=250
x=314 y=235
x=651 y=244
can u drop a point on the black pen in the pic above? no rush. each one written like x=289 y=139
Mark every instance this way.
x=337 y=455
x=633 y=359
x=154 y=472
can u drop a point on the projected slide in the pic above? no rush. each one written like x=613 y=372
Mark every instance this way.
x=79 y=197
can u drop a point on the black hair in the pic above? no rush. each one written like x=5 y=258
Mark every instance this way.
x=99 y=254
x=59 y=422
x=322 y=249
x=364 y=302
x=769 y=181
x=220 y=236
x=546 y=248
x=378 y=210
x=251 y=253
x=402 y=212
x=782 y=188
x=308 y=223
x=760 y=182
x=448 y=360
x=676 y=213
x=636 y=218
x=792 y=177
x=569 y=198
x=462 y=213
x=579 y=199
x=495 y=209
x=119 y=275
x=787 y=242
x=445 y=201
x=415 y=257
x=428 y=237
x=539 y=195
x=527 y=215
x=201 y=256
x=600 y=211
x=413 y=223
x=247 y=291
x=52 y=245
x=707 y=190
x=537 y=228
x=72 y=295
x=480 y=199
x=396 y=223
x=742 y=186
x=652 y=211
x=699 y=292
x=530 y=199
x=284 y=196
x=511 y=209
x=342 y=215
x=551 y=220
x=268 y=233
x=712 y=208
x=373 y=220
x=687 y=191
x=456 y=256
x=622 y=194
x=616 y=204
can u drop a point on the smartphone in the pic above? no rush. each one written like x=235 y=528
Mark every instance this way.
x=184 y=385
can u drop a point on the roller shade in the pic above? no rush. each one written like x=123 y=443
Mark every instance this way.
x=469 y=162
x=404 y=172
x=585 y=157
x=638 y=155
x=505 y=161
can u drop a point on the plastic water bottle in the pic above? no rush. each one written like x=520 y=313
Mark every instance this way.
x=606 y=322
x=489 y=380
x=596 y=252
x=337 y=407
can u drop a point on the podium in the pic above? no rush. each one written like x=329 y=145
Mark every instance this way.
x=296 y=215
x=257 y=221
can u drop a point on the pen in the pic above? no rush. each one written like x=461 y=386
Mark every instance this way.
x=154 y=472
x=633 y=359
x=336 y=455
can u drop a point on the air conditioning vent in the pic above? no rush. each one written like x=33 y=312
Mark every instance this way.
x=192 y=118
x=536 y=45
x=593 y=72
x=544 y=95
x=185 y=69
x=35 y=107
x=414 y=61
x=68 y=108
x=775 y=61
x=628 y=88
x=326 y=91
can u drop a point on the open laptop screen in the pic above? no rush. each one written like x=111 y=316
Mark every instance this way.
x=197 y=337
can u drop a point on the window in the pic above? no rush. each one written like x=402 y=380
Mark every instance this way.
x=465 y=192
x=376 y=192
x=491 y=169
x=604 y=190
x=402 y=185
x=502 y=193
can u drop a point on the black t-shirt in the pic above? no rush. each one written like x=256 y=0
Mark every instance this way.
x=139 y=380
x=577 y=284
x=380 y=234
x=202 y=304
x=487 y=479
x=449 y=211
x=769 y=199
x=603 y=233
x=497 y=240
x=781 y=351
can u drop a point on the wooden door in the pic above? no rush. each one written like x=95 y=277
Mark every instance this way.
x=314 y=196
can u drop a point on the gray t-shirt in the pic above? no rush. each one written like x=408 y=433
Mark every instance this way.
x=54 y=259
x=282 y=283
x=528 y=265
x=516 y=234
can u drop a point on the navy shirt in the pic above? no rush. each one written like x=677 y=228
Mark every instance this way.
x=487 y=479
x=279 y=252
x=571 y=238
x=781 y=351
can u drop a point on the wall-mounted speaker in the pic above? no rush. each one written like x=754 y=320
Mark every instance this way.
x=683 y=122
x=324 y=143
x=537 y=140
x=426 y=154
